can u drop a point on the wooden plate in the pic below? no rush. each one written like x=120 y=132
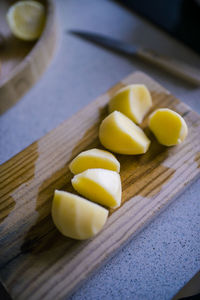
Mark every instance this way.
x=22 y=63
x=36 y=262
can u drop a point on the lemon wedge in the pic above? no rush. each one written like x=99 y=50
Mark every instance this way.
x=26 y=19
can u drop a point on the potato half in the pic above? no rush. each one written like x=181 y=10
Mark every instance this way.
x=99 y=185
x=76 y=217
x=134 y=101
x=119 y=134
x=168 y=126
x=94 y=158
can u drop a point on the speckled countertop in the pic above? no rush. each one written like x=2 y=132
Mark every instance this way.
x=166 y=254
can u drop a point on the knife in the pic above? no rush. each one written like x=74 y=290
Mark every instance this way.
x=175 y=67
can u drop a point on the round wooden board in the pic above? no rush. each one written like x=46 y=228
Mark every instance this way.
x=22 y=63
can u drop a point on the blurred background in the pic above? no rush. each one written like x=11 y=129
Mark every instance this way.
x=165 y=256
x=180 y=18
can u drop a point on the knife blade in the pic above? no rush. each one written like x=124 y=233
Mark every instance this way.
x=105 y=41
x=175 y=67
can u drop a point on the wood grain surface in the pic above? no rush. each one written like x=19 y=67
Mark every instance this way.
x=36 y=262
x=22 y=62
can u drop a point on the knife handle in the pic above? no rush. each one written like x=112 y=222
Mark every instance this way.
x=175 y=67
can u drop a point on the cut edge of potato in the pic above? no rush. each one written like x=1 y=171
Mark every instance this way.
x=104 y=186
x=94 y=158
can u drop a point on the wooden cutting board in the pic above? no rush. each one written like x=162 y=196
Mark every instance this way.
x=36 y=262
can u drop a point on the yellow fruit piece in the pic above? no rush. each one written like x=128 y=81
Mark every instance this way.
x=26 y=19
x=168 y=126
x=76 y=217
x=99 y=185
x=134 y=101
x=94 y=158
x=119 y=134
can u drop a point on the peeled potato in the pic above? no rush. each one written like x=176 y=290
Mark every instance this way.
x=76 y=217
x=94 y=158
x=119 y=134
x=99 y=185
x=134 y=101
x=168 y=127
